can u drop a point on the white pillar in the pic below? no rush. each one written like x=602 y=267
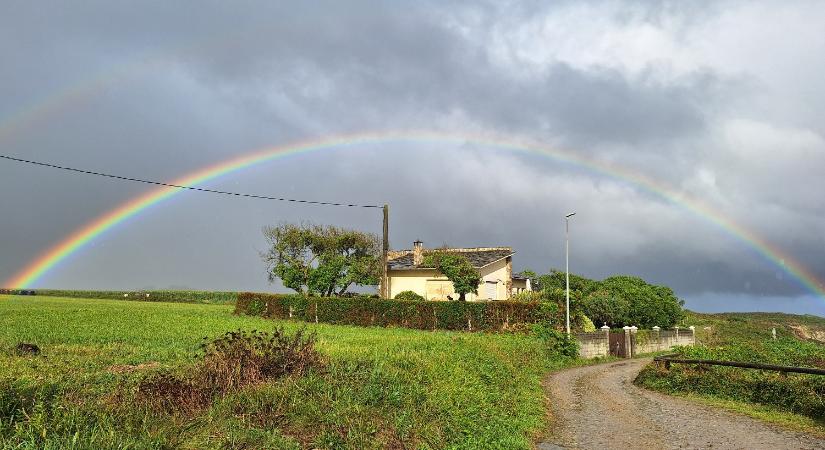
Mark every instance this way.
x=606 y=330
x=657 y=330
x=627 y=350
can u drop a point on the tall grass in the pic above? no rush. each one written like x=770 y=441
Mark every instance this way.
x=379 y=388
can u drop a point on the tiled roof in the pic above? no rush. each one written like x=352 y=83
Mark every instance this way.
x=478 y=257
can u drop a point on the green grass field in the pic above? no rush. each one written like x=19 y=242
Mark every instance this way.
x=380 y=388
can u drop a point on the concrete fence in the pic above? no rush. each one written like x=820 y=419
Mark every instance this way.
x=594 y=344
x=630 y=341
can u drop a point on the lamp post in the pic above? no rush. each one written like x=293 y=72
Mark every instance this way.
x=567 y=264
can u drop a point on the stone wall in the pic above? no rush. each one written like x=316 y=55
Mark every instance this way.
x=651 y=341
x=597 y=344
x=592 y=345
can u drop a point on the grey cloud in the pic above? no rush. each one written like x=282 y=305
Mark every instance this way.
x=187 y=85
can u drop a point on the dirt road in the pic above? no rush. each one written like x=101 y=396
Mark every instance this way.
x=599 y=407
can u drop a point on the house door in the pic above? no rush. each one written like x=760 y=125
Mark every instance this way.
x=491 y=289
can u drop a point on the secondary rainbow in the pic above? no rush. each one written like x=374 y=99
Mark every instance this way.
x=31 y=274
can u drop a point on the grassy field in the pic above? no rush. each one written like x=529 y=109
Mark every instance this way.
x=794 y=400
x=379 y=388
x=734 y=328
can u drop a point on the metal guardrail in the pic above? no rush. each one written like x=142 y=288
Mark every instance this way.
x=668 y=359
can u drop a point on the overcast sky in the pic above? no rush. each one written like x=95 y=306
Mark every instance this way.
x=718 y=101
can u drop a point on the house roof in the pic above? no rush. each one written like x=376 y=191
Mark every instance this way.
x=478 y=257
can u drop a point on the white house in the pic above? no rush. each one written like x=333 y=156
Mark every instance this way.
x=405 y=272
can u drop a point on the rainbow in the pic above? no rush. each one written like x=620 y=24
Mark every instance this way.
x=68 y=96
x=33 y=273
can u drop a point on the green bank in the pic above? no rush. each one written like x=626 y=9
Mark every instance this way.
x=380 y=387
x=796 y=400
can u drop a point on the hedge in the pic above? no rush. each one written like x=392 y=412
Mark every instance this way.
x=146 y=296
x=426 y=315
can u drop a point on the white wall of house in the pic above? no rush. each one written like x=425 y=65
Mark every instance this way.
x=520 y=286
x=494 y=273
x=434 y=286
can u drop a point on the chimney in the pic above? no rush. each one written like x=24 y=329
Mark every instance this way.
x=418 y=253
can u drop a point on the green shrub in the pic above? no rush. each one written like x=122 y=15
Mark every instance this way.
x=528 y=296
x=583 y=323
x=229 y=363
x=423 y=315
x=559 y=343
x=410 y=296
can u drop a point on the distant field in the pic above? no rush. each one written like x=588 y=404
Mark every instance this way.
x=733 y=328
x=380 y=387
x=206 y=297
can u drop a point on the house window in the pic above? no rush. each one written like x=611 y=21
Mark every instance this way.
x=491 y=288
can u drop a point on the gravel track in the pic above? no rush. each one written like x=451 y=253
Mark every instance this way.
x=599 y=407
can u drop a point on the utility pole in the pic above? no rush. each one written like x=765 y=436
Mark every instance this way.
x=385 y=291
x=567 y=264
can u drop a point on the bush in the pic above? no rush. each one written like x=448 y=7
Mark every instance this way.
x=528 y=296
x=410 y=296
x=583 y=323
x=235 y=360
x=558 y=342
x=422 y=315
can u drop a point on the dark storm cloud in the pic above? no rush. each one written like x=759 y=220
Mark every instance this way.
x=661 y=89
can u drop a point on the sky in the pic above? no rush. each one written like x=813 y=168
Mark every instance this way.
x=720 y=102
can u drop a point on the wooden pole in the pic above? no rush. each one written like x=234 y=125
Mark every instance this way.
x=385 y=291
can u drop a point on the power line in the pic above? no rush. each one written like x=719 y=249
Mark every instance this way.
x=191 y=188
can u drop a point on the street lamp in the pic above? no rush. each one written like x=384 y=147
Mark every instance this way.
x=567 y=264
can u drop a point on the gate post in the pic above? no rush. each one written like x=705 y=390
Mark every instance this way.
x=628 y=351
x=658 y=338
x=606 y=330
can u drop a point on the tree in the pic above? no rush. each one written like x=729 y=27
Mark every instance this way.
x=615 y=301
x=604 y=308
x=557 y=279
x=628 y=300
x=458 y=269
x=322 y=260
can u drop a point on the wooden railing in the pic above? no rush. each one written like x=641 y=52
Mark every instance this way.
x=669 y=359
